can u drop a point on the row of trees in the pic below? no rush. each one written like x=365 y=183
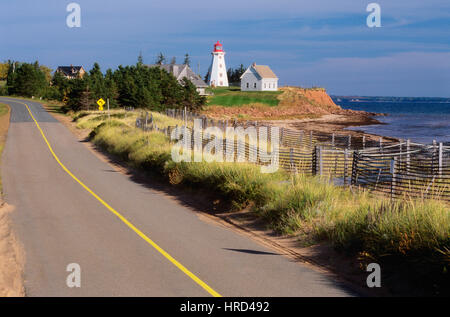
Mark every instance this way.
x=137 y=86
x=161 y=59
x=234 y=75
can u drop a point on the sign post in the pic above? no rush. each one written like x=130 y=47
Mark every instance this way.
x=109 y=115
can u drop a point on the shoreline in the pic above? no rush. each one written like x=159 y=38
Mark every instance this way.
x=337 y=124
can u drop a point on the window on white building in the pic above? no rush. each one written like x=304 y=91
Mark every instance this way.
x=248 y=85
x=254 y=85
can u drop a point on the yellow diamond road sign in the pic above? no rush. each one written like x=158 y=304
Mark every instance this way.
x=100 y=104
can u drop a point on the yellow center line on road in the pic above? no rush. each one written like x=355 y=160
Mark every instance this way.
x=123 y=219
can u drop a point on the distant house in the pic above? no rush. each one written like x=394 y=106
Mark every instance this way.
x=71 y=72
x=181 y=71
x=259 y=78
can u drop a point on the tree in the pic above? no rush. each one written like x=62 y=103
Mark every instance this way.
x=111 y=89
x=61 y=83
x=77 y=98
x=96 y=83
x=160 y=59
x=28 y=80
x=191 y=98
x=207 y=76
x=140 y=59
x=47 y=72
x=187 y=60
x=234 y=75
x=4 y=67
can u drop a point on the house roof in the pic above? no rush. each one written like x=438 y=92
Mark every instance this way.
x=264 y=71
x=69 y=70
x=180 y=71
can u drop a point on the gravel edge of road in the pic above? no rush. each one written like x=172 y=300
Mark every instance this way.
x=12 y=255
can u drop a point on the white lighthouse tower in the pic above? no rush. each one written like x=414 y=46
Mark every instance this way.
x=218 y=70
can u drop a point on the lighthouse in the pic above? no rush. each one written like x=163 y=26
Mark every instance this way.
x=218 y=70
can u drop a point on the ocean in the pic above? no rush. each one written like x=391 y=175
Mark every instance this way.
x=418 y=119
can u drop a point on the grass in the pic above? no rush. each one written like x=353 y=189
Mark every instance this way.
x=3 y=109
x=232 y=97
x=413 y=235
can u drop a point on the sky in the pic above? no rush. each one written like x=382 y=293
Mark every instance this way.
x=324 y=43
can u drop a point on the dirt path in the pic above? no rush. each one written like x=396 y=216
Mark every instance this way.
x=11 y=251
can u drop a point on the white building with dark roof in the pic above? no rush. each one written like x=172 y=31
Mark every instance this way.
x=259 y=78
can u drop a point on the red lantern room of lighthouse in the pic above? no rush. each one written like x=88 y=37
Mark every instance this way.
x=218 y=69
x=218 y=47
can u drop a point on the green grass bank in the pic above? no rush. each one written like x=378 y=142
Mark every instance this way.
x=233 y=97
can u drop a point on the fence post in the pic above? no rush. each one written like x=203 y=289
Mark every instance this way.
x=394 y=176
x=291 y=158
x=408 y=155
x=345 y=166
x=314 y=161
x=332 y=140
x=349 y=141
x=320 y=161
x=310 y=138
x=381 y=144
x=354 y=179
x=433 y=157
x=441 y=152
x=301 y=138
x=364 y=142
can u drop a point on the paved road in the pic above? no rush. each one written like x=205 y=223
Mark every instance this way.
x=59 y=222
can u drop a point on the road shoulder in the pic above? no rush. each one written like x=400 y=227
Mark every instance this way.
x=12 y=256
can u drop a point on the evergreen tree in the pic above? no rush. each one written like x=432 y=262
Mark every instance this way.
x=111 y=89
x=61 y=83
x=140 y=59
x=76 y=98
x=160 y=60
x=96 y=83
x=191 y=99
x=28 y=80
x=187 y=60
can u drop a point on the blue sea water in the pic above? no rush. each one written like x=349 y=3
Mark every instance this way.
x=417 y=120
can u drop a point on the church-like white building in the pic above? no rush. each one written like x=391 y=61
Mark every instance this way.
x=259 y=78
x=217 y=74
